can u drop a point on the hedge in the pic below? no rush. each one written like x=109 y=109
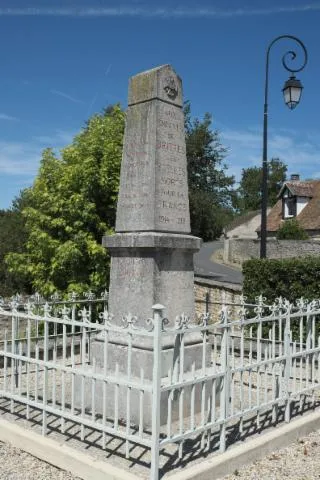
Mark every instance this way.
x=291 y=278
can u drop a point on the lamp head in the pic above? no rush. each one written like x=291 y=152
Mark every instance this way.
x=292 y=92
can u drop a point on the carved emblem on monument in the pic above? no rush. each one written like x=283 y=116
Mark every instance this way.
x=170 y=87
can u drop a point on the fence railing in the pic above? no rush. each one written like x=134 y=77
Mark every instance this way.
x=205 y=379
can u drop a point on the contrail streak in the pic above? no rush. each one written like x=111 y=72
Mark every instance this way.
x=147 y=12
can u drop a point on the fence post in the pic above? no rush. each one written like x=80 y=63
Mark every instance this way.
x=310 y=340
x=225 y=368
x=288 y=359
x=156 y=389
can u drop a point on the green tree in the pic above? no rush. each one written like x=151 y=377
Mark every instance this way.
x=249 y=192
x=207 y=218
x=70 y=206
x=12 y=238
x=72 y=203
x=291 y=230
x=210 y=188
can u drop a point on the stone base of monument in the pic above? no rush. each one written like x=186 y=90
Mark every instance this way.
x=142 y=358
x=117 y=368
x=135 y=398
x=149 y=268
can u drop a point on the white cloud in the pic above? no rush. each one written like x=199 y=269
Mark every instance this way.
x=242 y=138
x=300 y=154
x=165 y=12
x=280 y=143
x=23 y=158
x=19 y=158
x=60 y=137
x=4 y=116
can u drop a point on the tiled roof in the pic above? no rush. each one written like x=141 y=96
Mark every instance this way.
x=309 y=218
x=301 y=189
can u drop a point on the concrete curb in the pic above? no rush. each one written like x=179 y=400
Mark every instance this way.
x=61 y=455
x=250 y=450
x=86 y=467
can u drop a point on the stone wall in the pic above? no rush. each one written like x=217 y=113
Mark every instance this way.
x=209 y=294
x=239 y=250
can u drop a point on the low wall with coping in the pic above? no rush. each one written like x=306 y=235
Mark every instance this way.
x=238 y=250
x=209 y=294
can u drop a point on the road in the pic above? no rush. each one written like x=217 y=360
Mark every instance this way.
x=205 y=267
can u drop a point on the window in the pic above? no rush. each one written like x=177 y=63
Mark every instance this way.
x=292 y=206
x=289 y=207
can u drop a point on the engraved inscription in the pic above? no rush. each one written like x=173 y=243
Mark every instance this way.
x=171 y=147
x=130 y=268
x=165 y=124
x=164 y=219
x=154 y=186
x=172 y=187
x=135 y=148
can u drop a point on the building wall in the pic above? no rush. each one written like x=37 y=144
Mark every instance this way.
x=210 y=294
x=238 y=250
x=247 y=229
x=301 y=203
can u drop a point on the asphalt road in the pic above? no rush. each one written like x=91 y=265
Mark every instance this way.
x=205 y=267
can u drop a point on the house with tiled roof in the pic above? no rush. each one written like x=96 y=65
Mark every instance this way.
x=297 y=199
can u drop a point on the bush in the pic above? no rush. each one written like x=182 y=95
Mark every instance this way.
x=290 y=278
x=291 y=230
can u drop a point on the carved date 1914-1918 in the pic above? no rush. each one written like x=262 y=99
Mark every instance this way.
x=166 y=219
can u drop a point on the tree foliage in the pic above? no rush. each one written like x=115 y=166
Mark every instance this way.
x=210 y=188
x=12 y=238
x=290 y=278
x=249 y=192
x=71 y=205
x=207 y=218
x=291 y=230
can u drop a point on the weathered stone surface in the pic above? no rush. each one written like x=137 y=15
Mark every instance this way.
x=153 y=192
x=152 y=251
x=135 y=399
x=237 y=250
x=157 y=83
x=151 y=268
x=152 y=240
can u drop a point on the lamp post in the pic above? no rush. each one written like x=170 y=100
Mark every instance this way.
x=292 y=93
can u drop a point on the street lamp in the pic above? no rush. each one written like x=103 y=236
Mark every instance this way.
x=292 y=93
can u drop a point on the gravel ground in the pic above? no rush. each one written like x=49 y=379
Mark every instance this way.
x=298 y=461
x=16 y=464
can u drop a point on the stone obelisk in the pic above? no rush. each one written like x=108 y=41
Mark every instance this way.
x=152 y=250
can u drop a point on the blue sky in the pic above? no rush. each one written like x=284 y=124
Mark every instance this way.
x=61 y=61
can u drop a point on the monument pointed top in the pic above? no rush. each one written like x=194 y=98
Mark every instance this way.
x=165 y=66
x=157 y=83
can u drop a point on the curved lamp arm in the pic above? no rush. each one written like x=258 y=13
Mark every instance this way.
x=290 y=55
